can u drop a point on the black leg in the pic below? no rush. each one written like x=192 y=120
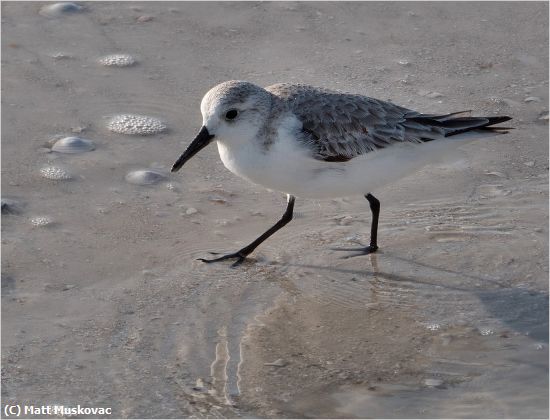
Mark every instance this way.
x=375 y=209
x=242 y=253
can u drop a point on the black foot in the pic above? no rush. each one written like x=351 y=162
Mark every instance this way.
x=239 y=255
x=360 y=251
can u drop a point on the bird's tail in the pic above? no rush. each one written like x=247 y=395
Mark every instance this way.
x=457 y=123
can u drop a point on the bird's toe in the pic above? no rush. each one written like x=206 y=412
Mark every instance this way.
x=238 y=255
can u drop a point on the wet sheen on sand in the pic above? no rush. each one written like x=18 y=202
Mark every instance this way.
x=103 y=300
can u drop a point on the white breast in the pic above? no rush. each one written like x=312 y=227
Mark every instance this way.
x=286 y=165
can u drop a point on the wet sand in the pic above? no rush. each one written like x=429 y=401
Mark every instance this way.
x=107 y=306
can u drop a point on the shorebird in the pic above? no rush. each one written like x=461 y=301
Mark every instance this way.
x=317 y=143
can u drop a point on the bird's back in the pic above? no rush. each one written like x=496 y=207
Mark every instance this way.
x=340 y=126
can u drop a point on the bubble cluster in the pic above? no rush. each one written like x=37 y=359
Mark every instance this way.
x=171 y=186
x=59 y=9
x=60 y=56
x=117 y=60
x=55 y=173
x=145 y=177
x=73 y=145
x=136 y=124
x=485 y=331
x=433 y=326
x=41 y=221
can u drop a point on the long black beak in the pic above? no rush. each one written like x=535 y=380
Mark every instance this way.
x=202 y=140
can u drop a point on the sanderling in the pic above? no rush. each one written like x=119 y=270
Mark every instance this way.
x=317 y=143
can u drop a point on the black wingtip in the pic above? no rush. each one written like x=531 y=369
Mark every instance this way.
x=497 y=120
x=462 y=125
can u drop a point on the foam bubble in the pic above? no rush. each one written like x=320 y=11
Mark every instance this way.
x=60 y=9
x=136 y=124
x=55 y=172
x=433 y=326
x=117 y=60
x=145 y=177
x=73 y=145
x=485 y=331
x=41 y=221
x=172 y=187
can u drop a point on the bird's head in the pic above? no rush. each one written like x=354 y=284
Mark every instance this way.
x=232 y=112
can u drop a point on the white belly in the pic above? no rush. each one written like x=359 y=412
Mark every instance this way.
x=287 y=167
x=288 y=171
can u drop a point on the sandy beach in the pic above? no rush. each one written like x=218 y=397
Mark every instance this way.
x=104 y=303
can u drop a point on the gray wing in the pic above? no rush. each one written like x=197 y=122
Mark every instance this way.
x=339 y=126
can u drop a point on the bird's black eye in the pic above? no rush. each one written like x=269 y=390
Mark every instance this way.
x=231 y=114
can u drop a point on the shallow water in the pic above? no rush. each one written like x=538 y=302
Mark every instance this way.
x=107 y=305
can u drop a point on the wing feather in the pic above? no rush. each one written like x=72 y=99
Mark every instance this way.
x=341 y=126
x=338 y=127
